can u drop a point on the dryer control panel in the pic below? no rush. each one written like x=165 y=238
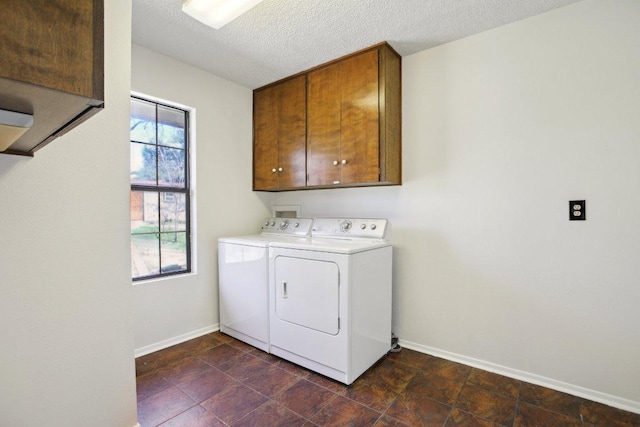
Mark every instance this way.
x=299 y=227
x=350 y=228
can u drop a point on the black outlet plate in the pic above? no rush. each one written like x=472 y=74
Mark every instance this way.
x=577 y=210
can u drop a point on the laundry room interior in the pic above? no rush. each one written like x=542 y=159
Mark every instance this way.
x=502 y=131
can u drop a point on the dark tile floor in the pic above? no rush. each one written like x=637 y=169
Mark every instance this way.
x=216 y=380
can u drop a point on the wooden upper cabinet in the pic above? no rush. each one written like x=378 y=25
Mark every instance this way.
x=352 y=110
x=279 y=112
x=51 y=65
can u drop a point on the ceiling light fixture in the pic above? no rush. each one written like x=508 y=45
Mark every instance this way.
x=217 y=13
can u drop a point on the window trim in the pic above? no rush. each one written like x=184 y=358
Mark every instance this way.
x=188 y=190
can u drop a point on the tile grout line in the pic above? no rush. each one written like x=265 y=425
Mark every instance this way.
x=197 y=403
x=384 y=413
x=176 y=385
x=334 y=397
x=453 y=406
x=517 y=404
x=274 y=399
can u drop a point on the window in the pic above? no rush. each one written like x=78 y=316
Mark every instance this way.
x=160 y=190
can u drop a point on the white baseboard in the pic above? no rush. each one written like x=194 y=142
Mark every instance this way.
x=175 y=340
x=596 y=396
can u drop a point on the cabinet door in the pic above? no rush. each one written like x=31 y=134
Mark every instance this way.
x=323 y=126
x=279 y=136
x=342 y=122
x=292 y=130
x=265 y=139
x=359 y=141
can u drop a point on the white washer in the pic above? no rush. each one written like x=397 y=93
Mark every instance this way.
x=330 y=297
x=243 y=264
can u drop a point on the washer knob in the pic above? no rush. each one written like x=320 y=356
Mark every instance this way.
x=266 y=223
x=284 y=224
x=373 y=226
x=296 y=225
x=345 y=225
x=363 y=226
x=273 y=223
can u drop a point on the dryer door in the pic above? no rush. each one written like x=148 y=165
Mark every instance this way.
x=308 y=293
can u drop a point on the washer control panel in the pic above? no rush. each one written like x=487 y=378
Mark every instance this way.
x=350 y=228
x=288 y=226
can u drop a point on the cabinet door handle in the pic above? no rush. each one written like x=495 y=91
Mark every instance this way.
x=335 y=163
x=273 y=170
x=344 y=162
x=279 y=169
x=284 y=290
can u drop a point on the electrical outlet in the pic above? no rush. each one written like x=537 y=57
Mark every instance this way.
x=577 y=210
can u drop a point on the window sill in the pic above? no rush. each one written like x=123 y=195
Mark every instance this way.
x=163 y=279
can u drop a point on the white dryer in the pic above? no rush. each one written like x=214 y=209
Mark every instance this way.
x=330 y=297
x=243 y=273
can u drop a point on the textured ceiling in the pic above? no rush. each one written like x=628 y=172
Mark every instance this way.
x=278 y=38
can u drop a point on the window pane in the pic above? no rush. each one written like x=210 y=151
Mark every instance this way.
x=171 y=127
x=143 y=164
x=143 y=121
x=174 y=252
x=144 y=214
x=173 y=212
x=145 y=255
x=171 y=171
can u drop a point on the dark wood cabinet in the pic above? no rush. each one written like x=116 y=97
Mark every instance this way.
x=279 y=136
x=352 y=126
x=51 y=65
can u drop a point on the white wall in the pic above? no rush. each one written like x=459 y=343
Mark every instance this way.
x=170 y=310
x=500 y=131
x=65 y=292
